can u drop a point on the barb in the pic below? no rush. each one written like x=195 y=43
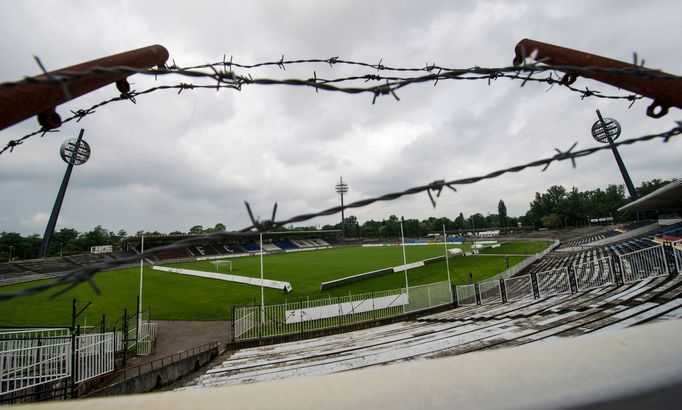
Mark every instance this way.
x=221 y=75
x=86 y=273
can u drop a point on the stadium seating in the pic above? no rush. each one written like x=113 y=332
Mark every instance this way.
x=88 y=258
x=47 y=265
x=456 y=331
x=286 y=245
x=251 y=247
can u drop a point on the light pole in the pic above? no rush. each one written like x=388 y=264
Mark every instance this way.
x=11 y=247
x=341 y=189
x=74 y=151
x=607 y=130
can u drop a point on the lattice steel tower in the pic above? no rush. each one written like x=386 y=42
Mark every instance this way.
x=341 y=189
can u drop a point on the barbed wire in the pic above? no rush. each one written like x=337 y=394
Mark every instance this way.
x=222 y=76
x=86 y=274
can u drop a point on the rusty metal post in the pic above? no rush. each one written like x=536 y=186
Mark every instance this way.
x=664 y=89
x=21 y=101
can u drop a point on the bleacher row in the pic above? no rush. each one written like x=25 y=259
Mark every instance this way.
x=589 y=239
x=556 y=260
x=34 y=269
x=456 y=331
x=215 y=250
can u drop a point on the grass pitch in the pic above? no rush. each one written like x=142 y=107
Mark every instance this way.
x=179 y=297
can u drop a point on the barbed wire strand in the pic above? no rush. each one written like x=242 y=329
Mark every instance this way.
x=221 y=73
x=86 y=274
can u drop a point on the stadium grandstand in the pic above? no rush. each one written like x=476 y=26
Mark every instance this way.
x=604 y=308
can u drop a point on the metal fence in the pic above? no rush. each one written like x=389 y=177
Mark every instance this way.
x=146 y=339
x=466 y=295
x=677 y=252
x=255 y=322
x=94 y=355
x=490 y=292
x=643 y=264
x=27 y=362
x=594 y=274
x=519 y=288
x=34 y=357
x=553 y=282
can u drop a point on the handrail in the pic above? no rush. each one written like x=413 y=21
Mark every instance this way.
x=163 y=360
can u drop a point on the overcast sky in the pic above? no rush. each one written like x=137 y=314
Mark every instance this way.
x=173 y=161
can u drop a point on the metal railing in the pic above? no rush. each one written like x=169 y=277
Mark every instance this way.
x=519 y=288
x=553 y=282
x=146 y=339
x=94 y=355
x=677 y=252
x=142 y=368
x=643 y=264
x=256 y=322
x=466 y=294
x=490 y=291
x=594 y=274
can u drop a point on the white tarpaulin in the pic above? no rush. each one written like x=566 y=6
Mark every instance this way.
x=268 y=283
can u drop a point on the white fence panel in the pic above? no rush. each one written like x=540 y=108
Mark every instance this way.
x=147 y=338
x=26 y=363
x=427 y=296
x=466 y=295
x=518 y=288
x=553 y=282
x=643 y=263
x=490 y=292
x=95 y=355
x=594 y=274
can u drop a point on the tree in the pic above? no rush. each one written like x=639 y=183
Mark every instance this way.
x=551 y=221
x=459 y=222
x=352 y=226
x=502 y=213
x=196 y=229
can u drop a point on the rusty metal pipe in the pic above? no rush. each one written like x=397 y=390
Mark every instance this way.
x=664 y=92
x=23 y=101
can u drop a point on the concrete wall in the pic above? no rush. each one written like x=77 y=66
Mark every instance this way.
x=157 y=378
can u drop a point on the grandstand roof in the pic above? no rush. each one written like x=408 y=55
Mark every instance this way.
x=666 y=197
x=237 y=236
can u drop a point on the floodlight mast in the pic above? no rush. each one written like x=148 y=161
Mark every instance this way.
x=341 y=189
x=606 y=130
x=73 y=152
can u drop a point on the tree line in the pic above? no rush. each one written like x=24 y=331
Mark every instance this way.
x=557 y=207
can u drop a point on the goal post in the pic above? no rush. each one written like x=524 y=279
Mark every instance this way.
x=220 y=263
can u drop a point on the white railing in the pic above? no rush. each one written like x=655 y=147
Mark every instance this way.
x=677 y=251
x=27 y=363
x=288 y=318
x=146 y=338
x=643 y=264
x=466 y=295
x=29 y=358
x=518 y=288
x=553 y=282
x=490 y=292
x=94 y=355
x=594 y=274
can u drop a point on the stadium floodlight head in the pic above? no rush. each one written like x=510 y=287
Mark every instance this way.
x=341 y=189
x=75 y=151
x=606 y=129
